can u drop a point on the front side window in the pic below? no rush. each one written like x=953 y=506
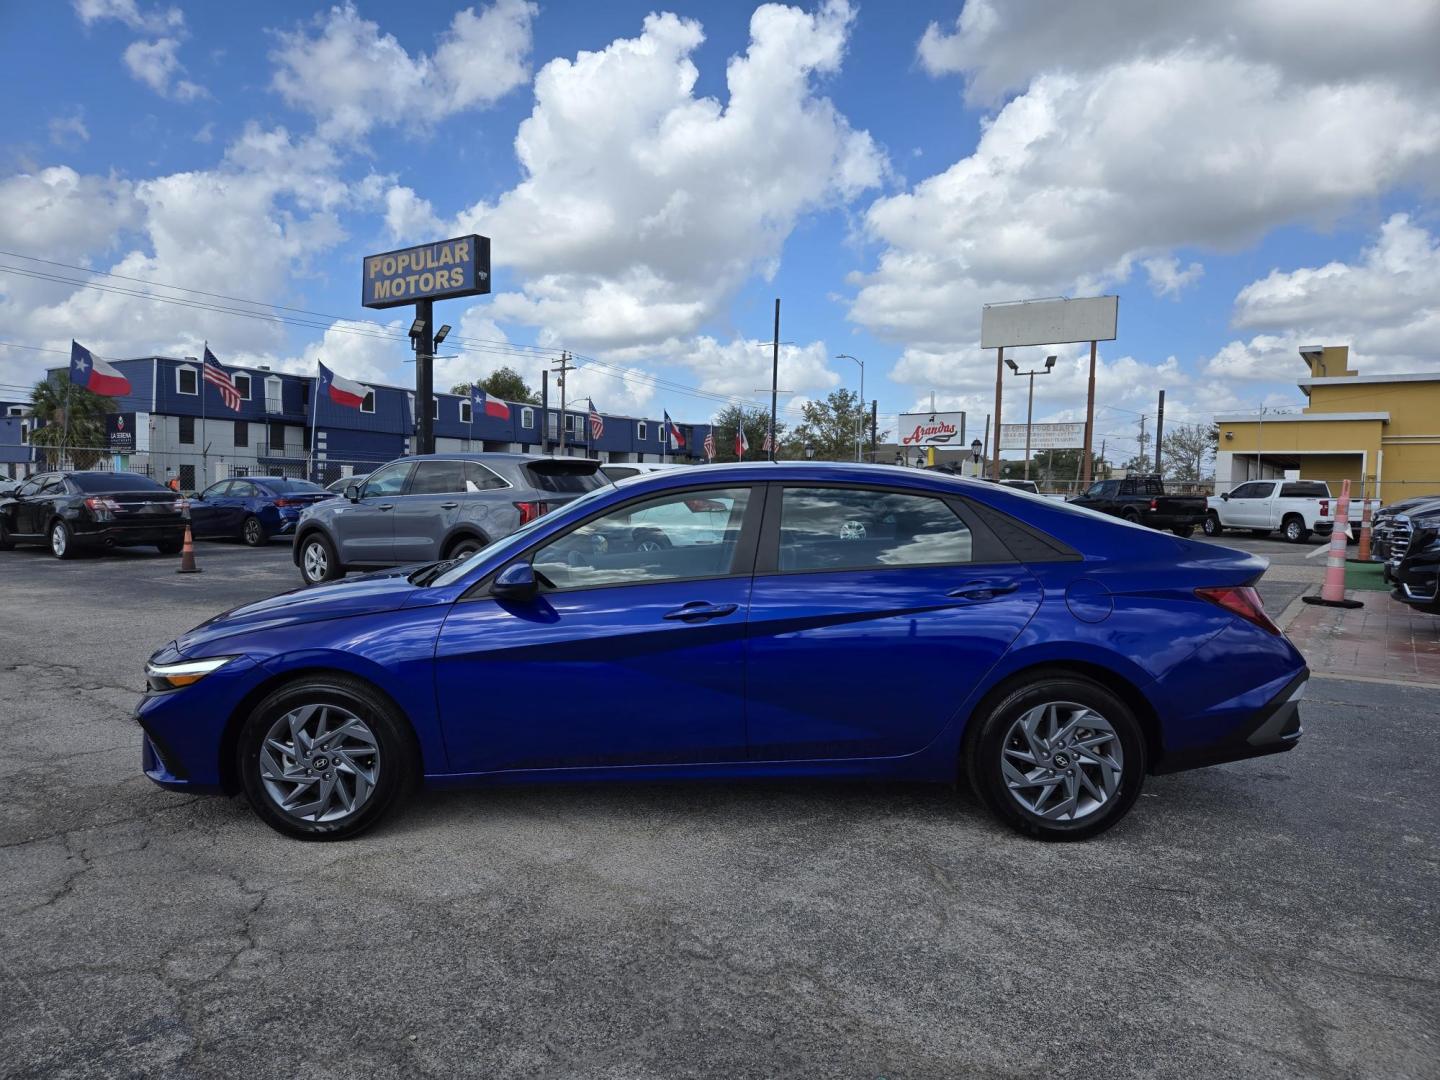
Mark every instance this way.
x=675 y=537
x=187 y=381
x=387 y=481
x=438 y=478
x=216 y=491
x=1250 y=491
x=854 y=529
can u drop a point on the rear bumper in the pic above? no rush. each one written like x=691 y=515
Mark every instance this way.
x=128 y=535
x=1273 y=729
x=1169 y=519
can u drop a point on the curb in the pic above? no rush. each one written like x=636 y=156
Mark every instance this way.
x=1384 y=681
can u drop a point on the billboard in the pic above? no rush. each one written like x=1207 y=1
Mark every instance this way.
x=1043 y=436
x=1049 y=322
x=127 y=433
x=439 y=271
x=932 y=429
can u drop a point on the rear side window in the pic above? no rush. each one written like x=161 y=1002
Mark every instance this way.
x=438 y=478
x=563 y=480
x=850 y=529
x=479 y=478
x=122 y=481
x=1305 y=489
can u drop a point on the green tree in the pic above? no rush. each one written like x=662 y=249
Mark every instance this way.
x=755 y=422
x=1188 y=448
x=505 y=383
x=832 y=427
x=70 y=421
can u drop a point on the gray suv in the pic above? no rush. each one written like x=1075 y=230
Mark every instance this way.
x=431 y=507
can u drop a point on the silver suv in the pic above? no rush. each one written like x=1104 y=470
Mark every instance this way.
x=436 y=506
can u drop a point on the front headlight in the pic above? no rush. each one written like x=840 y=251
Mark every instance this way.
x=182 y=673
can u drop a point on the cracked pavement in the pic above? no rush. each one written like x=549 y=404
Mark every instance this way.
x=1274 y=918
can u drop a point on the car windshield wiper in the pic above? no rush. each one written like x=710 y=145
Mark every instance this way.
x=431 y=571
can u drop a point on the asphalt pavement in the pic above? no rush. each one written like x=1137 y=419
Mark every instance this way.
x=1273 y=918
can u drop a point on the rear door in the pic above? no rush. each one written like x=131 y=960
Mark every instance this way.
x=427 y=510
x=873 y=614
x=365 y=530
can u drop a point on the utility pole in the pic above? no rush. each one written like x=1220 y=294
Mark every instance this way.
x=775 y=380
x=1160 y=435
x=424 y=342
x=563 y=364
x=1087 y=463
x=874 y=426
x=999 y=390
x=545 y=411
x=1142 y=440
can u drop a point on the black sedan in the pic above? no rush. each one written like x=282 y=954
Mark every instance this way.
x=71 y=511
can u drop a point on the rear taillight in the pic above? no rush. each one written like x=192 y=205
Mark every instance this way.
x=1240 y=600
x=1154 y=504
x=529 y=511
x=288 y=502
x=1324 y=507
x=102 y=505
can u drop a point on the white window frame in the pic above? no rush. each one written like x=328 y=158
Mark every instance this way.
x=434 y=408
x=370 y=397
x=467 y=412
x=527 y=418
x=249 y=384
x=179 y=385
x=279 y=396
x=642 y=432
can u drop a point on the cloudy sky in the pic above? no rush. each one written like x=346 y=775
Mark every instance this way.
x=1248 y=176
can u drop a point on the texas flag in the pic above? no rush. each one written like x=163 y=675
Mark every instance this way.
x=741 y=442
x=672 y=431
x=485 y=405
x=94 y=374
x=341 y=390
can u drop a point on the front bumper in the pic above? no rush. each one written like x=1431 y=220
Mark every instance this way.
x=184 y=729
x=1416 y=578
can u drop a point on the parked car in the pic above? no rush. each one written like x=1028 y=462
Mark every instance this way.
x=252 y=508
x=73 y=511
x=1414 y=567
x=1051 y=655
x=1142 y=500
x=1390 y=531
x=1296 y=508
x=338 y=486
x=437 y=506
x=620 y=470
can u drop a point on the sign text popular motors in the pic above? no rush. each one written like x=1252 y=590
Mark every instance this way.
x=458 y=267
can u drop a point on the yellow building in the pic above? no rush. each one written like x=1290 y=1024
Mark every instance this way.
x=1380 y=432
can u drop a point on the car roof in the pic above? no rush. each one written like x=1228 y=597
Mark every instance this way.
x=851 y=472
x=484 y=455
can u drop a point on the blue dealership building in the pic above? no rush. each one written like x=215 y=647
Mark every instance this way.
x=174 y=424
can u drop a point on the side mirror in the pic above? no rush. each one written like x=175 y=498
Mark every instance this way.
x=1225 y=495
x=352 y=492
x=515 y=582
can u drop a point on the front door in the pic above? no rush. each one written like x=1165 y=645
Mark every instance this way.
x=211 y=511
x=30 y=513
x=365 y=530
x=873 y=615
x=632 y=653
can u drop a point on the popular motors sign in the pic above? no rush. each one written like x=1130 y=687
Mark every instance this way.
x=932 y=429
x=450 y=268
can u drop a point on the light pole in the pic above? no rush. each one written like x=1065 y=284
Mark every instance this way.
x=1030 y=408
x=860 y=432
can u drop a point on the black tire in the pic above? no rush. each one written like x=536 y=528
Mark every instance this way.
x=1294 y=531
x=252 y=532
x=5 y=542
x=1184 y=531
x=323 y=567
x=61 y=540
x=171 y=547
x=465 y=545
x=1130 y=516
x=650 y=540
x=1212 y=524
x=985 y=743
x=397 y=767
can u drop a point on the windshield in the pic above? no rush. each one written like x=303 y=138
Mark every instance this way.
x=571 y=510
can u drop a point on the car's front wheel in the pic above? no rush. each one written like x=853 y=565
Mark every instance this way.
x=1295 y=530
x=318 y=562
x=1058 y=758
x=1212 y=524
x=325 y=758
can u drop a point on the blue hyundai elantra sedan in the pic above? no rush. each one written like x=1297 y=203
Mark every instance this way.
x=754 y=620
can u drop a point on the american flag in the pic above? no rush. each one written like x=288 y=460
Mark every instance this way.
x=710 y=446
x=597 y=425
x=219 y=378
x=769 y=443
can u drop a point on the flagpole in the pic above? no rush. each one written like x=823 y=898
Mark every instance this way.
x=314 y=417
x=204 y=444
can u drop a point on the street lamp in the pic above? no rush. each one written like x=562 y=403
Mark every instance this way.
x=860 y=433
x=809 y=451
x=442 y=333
x=1030 y=408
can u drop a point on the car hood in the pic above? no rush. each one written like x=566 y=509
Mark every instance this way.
x=385 y=590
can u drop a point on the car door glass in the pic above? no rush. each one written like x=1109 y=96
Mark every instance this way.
x=216 y=491
x=1094 y=491
x=387 y=481
x=438 y=478
x=860 y=529
x=479 y=478
x=30 y=487
x=1248 y=491
x=54 y=486
x=675 y=537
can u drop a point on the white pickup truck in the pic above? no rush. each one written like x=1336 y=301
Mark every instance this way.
x=1296 y=508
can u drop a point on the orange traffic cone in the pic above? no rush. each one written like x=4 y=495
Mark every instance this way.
x=1332 y=593
x=1362 y=552
x=187 y=554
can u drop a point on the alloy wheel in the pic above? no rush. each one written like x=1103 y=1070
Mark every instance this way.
x=1062 y=761
x=253 y=532
x=319 y=763
x=59 y=540
x=316 y=561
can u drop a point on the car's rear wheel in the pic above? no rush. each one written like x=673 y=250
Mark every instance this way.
x=1212 y=524
x=62 y=541
x=466 y=545
x=172 y=546
x=325 y=758
x=1058 y=758
x=252 y=532
x=5 y=542
x=318 y=562
x=1130 y=516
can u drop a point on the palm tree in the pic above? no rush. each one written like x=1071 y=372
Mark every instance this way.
x=70 y=421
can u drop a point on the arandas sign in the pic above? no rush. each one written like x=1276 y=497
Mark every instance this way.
x=932 y=429
x=440 y=271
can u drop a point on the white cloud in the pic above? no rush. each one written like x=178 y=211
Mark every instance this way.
x=57 y=213
x=643 y=207
x=737 y=368
x=156 y=64
x=155 y=20
x=65 y=130
x=351 y=77
x=1166 y=277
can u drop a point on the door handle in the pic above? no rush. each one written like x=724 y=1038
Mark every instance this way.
x=385 y=506
x=983 y=590
x=449 y=505
x=700 y=611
